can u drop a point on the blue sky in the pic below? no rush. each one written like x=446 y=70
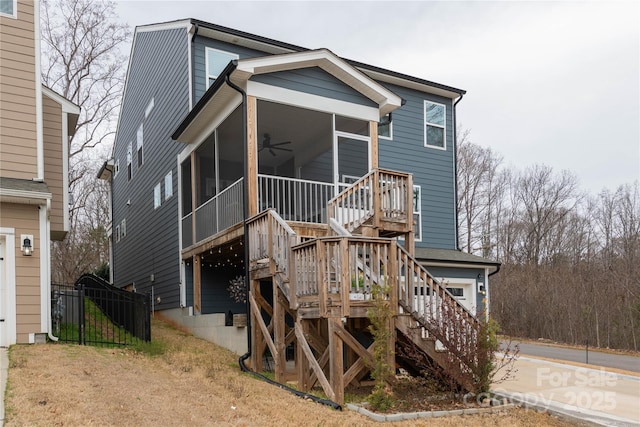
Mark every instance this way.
x=556 y=83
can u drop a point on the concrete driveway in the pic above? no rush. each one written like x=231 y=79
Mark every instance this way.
x=592 y=394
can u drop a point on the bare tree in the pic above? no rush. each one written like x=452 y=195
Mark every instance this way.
x=83 y=60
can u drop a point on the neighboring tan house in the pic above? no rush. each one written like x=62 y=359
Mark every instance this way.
x=314 y=177
x=35 y=126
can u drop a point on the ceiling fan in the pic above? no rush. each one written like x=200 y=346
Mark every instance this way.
x=266 y=144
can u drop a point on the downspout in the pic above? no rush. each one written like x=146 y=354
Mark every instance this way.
x=49 y=323
x=245 y=209
x=495 y=272
x=247 y=278
x=455 y=167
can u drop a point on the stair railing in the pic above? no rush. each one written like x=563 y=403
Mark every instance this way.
x=381 y=194
x=271 y=239
x=433 y=306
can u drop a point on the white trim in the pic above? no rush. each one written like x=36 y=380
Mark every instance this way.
x=190 y=33
x=487 y=303
x=208 y=75
x=10 y=318
x=45 y=278
x=15 y=11
x=173 y=25
x=38 y=80
x=312 y=102
x=443 y=127
x=452 y=264
x=157 y=196
x=150 y=105
x=66 y=225
x=329 y=62
x=419 y=210
x=35 y=197
x=67 y=106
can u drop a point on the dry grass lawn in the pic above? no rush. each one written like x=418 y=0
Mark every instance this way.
x=192 y=382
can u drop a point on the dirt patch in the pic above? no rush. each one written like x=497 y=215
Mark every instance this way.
x=191 y=382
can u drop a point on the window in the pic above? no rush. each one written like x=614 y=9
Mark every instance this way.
x=157 y=191
x=385 y=127
x=217 y=60
x=417 y=213
x=9 y=8
x=116 y=168
x=139 y=144
x=168 y=185
x=129 y=158
x=435 y=123
x=456 y=292
x=118 y=235
x=123 y=228
x=149 y=108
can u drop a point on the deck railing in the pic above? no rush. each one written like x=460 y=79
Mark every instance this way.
x=381 y=194
x=335 y=273
x=271 y=239
x=295 y=199
x=215 y=215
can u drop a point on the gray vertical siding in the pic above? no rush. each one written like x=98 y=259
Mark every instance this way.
x=432 y=169
x=158 y=69
x=199 y=61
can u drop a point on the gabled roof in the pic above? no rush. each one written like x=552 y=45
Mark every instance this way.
x=265 y=44
x=15 y=190
x=240 y=71
x=67 y=107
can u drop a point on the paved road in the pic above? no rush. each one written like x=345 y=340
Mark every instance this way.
x=595 y=395
x=596 y=358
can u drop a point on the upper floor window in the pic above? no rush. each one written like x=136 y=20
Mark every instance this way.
x=417 y=213
x=216 y=61
x=385 y=127
x=140 y=144
x=116 y=168
x=149 y=108
x=129 y=159
x=435 y=123
x=9 y=8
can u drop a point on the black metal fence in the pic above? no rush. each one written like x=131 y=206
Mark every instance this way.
x=94 y=312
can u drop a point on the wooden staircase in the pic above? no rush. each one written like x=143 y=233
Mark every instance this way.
x=312 y=294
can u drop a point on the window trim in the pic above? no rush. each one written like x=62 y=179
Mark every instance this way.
x=168 y=186
x=157 y=196
x=419 y=212
x=149 y=108
x=207 y=75
x=118 y=234
x=116 y=168
x=130 y=161
x=443 y=127
x=390 y=137
x=14 y=14
x=140 y=145
x=123 y=228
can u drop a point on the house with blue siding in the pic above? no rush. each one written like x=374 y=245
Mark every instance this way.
x=264 y=194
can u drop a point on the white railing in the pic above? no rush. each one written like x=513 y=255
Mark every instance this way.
x=295 y=199
x=215 y=215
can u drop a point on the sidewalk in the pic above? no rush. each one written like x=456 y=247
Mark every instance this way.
x=593 y=394
x=4 y=370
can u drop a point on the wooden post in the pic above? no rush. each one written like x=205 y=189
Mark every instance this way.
x=336 y=363
x=392 y=274
x=257 y=340
x=377 y=202
x=344 y=281
x=197 y=282
x=301 y=359
x=278 y=332
x=322 y=284
x=409 y=240
x=373 y=131
x=252 y=155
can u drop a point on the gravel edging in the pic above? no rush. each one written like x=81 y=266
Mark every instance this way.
x=426 y=414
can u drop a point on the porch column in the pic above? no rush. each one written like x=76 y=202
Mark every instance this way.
x=373 y=132
x=252 y=155
x=194 y=192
